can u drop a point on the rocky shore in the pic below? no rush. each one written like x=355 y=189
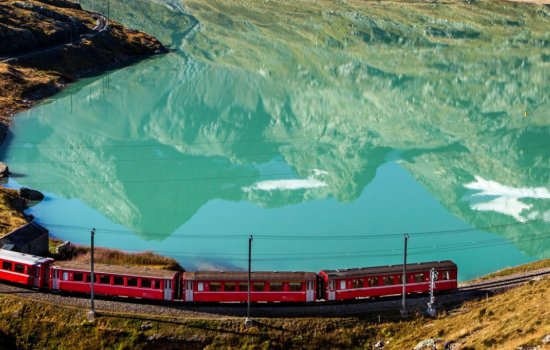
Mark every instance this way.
x=45 y=44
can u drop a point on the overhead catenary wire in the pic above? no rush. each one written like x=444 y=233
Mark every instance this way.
x=259 y=257
x=298 y=237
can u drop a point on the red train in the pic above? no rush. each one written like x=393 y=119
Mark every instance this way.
x=223 y=286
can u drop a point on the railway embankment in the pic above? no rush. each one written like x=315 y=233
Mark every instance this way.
x=513 y=318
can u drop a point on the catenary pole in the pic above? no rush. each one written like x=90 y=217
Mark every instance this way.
x=91 y=313
x=248 y=321
x=404 y=277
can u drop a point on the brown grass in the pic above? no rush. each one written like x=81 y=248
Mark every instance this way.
x=117 y=257
x=537 y=265
x=11 y=216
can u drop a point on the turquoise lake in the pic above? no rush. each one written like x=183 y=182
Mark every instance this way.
x=326 y=148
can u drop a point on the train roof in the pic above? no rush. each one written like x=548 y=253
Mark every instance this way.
x=390 y=269
x=22 y=258
x=133 y=271
x=286 y=276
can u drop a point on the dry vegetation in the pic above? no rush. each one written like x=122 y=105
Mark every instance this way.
x=116 y=257
x=538 y=265
x=11 y=216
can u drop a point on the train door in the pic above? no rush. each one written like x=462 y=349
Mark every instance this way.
x=188 y=290
x=167 y=289
x=35 y=272
x=55 y=279
x=310 y=291
x=331 y=293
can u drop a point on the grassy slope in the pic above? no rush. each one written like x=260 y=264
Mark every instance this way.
x=505 y=321
x=11 y=216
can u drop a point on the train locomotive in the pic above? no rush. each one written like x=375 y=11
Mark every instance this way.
x=223 y=286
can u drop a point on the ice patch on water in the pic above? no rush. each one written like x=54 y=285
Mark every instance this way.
x=493 y=188
x=289 y=184
x=507 y=199
x=504 y=205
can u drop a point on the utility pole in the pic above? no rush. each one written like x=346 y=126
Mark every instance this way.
x=91 y=313
x=248 y=322
x=404 y=278
x=431 y=309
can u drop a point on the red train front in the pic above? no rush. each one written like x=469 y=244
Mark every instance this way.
x=24 y=269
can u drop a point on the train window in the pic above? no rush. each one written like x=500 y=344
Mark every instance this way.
x=230 y=286
x=132 y=282
x=275 y=286
x=215 y=286
x=155 y=284
x=357 y=283
x=78 y=276
x=104 y=279
x=65 y=276
x=6 y=265
x=258 y=286
x=343 y=284
x=200 y=286
x=145 y=283
x=243 y=287
x=19 y=268
x=88 y=277
x=372 y=281
x=295 y=286
x=419 y=277
x=118 y=281
x=387 y=280
x=445 y=275
x=399 y=279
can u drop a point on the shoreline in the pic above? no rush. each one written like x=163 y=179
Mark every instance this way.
x=67 y=43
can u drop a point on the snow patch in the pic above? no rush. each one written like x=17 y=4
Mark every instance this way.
x=506 y=199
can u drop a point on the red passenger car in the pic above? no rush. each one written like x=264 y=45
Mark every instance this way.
x=112 y=280
x=386 y=280
x=25 y=269
x=232 y=286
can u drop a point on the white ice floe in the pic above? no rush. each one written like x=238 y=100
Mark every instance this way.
x=289 y=185
x=493 y=188
x=504 y=205
x=507 y=199
x=310 y=182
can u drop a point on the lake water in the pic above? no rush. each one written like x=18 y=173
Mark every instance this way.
x=325 y=144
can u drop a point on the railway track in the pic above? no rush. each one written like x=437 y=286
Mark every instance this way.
x=386 y=308
x=504 y=282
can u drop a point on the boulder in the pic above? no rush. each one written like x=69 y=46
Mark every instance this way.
x=31 y=195
x=546 y=340
x=4 y=170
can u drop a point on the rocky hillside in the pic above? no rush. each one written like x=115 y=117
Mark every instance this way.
x=45 y=44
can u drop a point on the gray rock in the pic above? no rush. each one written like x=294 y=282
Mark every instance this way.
x=4 y=170
x=379 y=345
x=146 y=325
x=546 y=340
x=31 y=195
